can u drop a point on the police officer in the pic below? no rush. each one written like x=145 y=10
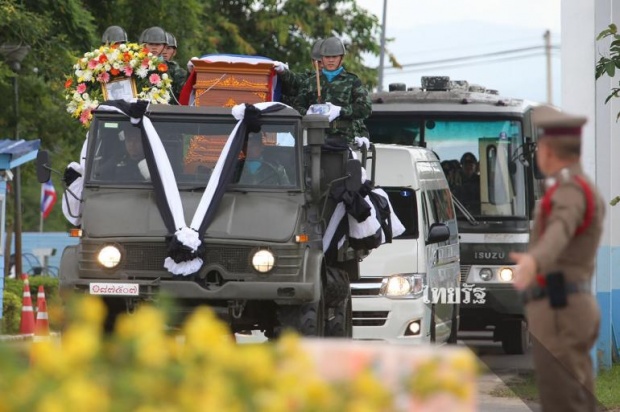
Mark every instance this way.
x=556 y=272
x=154 y=38
x=114 y=35
x=177 y=73
x=344 y=94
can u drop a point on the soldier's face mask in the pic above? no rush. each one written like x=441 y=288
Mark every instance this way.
x=252 y=165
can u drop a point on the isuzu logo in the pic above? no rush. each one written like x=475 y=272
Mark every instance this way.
x=489 y=255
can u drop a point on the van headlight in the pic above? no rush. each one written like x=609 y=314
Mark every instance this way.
x=403 y=286
x=109 y=256
x=263 y=261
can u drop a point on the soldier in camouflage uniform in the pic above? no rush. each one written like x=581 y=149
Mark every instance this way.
x=342 y=92
x=292 y=82
x=114 y=35
x=176 y=72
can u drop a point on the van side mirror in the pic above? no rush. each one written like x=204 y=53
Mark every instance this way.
x=44 y=171
x=439 y=232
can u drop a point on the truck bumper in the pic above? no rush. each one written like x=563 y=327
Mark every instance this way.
x=501 y=302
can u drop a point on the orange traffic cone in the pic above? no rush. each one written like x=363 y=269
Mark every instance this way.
x=26 y=326
x=42 y=327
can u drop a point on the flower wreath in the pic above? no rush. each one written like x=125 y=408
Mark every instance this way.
x=83 y=88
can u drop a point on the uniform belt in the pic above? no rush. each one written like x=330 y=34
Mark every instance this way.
x=537 y=292
x=341 y=123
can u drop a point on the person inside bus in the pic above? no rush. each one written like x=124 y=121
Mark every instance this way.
x=468 y=190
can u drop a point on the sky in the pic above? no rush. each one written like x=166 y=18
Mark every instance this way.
x=427 y=31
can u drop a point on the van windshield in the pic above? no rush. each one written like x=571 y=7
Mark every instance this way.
x=268 y=158
x=477 y=156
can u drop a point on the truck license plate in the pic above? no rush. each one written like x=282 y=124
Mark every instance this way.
x=120 y=289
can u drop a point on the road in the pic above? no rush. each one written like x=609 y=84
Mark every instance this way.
x=501 y=367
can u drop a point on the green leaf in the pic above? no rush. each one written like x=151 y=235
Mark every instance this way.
x=610 y=68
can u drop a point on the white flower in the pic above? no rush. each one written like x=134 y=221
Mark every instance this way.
x=142 y=72
x=164 y=76
x=87 y=75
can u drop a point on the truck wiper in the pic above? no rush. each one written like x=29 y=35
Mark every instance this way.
x=470 y=218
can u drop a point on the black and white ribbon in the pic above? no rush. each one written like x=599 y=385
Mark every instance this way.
x=185 y=246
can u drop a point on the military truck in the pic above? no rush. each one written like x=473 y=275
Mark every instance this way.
x=486 y=144
x=263 y=261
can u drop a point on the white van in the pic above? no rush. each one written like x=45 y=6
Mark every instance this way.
x=408 y=290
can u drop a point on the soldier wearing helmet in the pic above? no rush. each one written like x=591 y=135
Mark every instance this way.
x=177 y=73
x=154 y=38
x=291 y=81
x=343 y=92
x=114 y=35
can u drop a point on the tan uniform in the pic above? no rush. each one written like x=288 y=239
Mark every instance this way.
x=563 y=337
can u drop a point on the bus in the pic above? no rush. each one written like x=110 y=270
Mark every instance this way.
x=486 y=145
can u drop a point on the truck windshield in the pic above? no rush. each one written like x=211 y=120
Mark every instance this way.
x=268 y=158
x=477 y=155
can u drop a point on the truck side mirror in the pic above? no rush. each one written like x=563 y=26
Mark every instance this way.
x=44 y=170
x=438 y=232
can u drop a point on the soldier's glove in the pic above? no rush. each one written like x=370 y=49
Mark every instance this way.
x=280 y=67
x=362 y=142
x=334 y=111
x=144 y=169
x=190 y=65
x=70 y=176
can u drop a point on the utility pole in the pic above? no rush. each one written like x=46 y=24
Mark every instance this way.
x=382 y=55
x=547 y=37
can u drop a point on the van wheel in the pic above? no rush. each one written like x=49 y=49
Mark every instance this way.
x=340 y=320
x=515 y=337
x=433 y=324
x=452 y=339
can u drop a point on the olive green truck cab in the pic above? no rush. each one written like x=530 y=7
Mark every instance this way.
x=263 y=261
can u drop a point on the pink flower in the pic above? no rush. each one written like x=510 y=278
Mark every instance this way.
x=128 y=71
x=81 y=88
x=155 y=79
x=103 y=77
x=145 y=63
x=85 y=116
x=92 y=64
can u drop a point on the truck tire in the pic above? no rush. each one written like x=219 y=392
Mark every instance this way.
x=337 y=287
x=452 y=339
x=340 y=320
x=515 y=337
x=307 y=319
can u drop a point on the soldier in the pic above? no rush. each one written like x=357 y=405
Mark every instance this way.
x=292 y=82
x=346 y=98
x=177 y=73
x=556 y=273
x=114 y=35
x=154 y=38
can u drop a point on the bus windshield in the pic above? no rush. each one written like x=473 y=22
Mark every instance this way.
x=478 y=157
x=268 y=158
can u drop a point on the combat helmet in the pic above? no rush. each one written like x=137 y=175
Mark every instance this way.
x=114 y=34
x=155 y=35
x=332 y=46
x=171 y=40
x=315 y=53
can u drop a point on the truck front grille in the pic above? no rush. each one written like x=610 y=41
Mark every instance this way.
x=464 y=272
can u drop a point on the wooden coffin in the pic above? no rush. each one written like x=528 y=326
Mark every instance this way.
x=227 y=84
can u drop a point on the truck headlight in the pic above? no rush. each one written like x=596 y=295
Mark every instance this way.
x=263 y=261
x=400 y=286
x=109 y=256
x=506 y=274
x=486 y=274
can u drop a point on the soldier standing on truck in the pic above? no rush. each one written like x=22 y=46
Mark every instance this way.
x=176 y=72
x=292 y=82
x=114 y=35
x=556 y=272
x=154 y=38
x=341 y=92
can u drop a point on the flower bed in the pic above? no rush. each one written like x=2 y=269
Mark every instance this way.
x=141 y=367
x=110 y=63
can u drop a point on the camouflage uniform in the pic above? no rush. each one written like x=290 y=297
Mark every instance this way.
x=178 y=77
x=267 y=174
x=292 y=83
x=345 y=90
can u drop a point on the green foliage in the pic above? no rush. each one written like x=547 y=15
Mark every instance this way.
x=607 y=64
x=11 y=313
